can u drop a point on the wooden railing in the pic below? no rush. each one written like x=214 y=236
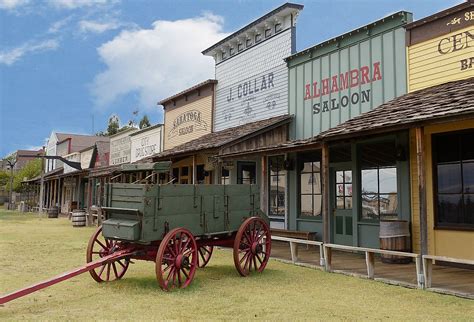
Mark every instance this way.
x=370 y=259
x=428 y=265
x=294 y=247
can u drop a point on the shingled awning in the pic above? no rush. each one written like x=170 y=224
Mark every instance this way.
x=216 y=140
x=449 y=101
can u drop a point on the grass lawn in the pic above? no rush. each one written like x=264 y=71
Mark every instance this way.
x=35 y=248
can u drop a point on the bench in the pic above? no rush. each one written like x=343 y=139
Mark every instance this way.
x=428 y=265
x=370 y=258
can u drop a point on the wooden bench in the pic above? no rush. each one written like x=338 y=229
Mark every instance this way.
x=428 y=265
x=370 y=258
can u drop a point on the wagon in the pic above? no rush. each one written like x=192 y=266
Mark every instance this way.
x=176 y=226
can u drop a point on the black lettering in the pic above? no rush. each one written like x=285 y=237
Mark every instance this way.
x=355 y=98
x=325 y=106
x=246 y=89
x=316 y=108
x=470 y=36
x=255 y=85
x=365 y=96
x=270 y=80
x=440 y=44
x=264 y=83
x=457 y=40
x=344 y=101
x=335 y=105
x=250 y=87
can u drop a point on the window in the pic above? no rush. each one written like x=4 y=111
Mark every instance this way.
x=201 y=174
x=344 y=189
x=240 y=47
x=258 y=37
x=453 y=167
x=379 y=181
x=246 y=173
x=225 y=176
x=248 y=42
x=175 y=177
x=277 y=27
x=310 y=189
x=268 y=33
x=277 y=177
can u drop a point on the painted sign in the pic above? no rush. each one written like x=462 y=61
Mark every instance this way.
x=331 y=84
x=253 y=85
x=186 y=123
x=120 y=148
x=441 y=50
x=145 y=143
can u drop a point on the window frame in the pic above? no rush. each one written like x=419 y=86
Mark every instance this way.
x=239 y=168
x=434 y=170
x=303 y=158
x=270 y=176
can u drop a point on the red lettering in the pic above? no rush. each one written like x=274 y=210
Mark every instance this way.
x=364 y=71
x=344 y=80
x=334 y=87
x=377 y=74
x=308 y=92
x=316 y=92
x=354 y=77
x=325 y=86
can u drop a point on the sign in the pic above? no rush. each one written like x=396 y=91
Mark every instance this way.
x=441 y=50
x=120 y=148
x=186 y=123
x=145 y=143
x=253 y=85
x=341 y=78
x=228 y=165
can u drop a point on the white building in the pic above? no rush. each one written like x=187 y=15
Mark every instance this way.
x=146 y=142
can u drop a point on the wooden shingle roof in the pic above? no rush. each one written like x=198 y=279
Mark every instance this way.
x=446 y=101
x=218 y=139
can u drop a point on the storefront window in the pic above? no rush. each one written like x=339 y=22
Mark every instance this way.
x=310 y=189
x=201 y=174
x=379 y=181
x=453 y=167
x=225 y=176
x=277 y=177
x=246 y=173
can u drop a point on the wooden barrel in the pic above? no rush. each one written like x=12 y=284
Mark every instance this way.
x=78 y=218
x=53 y=212
x=395 y=235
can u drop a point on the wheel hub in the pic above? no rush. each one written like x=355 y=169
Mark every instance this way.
x=181 y=261
x=256 y=248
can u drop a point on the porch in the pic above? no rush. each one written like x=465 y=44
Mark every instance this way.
x=445 y=279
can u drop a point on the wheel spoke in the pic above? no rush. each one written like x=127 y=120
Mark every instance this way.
x=243 y=257
x=120 y=263
x=258 y=257
x=179 y=277
x=185 y=245
x=101 y=244
x=108 y=271
x=115 y=270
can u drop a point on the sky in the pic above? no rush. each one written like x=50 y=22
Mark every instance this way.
x=68 y=65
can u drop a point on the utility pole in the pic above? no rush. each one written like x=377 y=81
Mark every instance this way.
x=11 y=163
x=41 y=196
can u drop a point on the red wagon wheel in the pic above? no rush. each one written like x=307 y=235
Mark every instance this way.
x=205 y=253
x=176 y=259
x=99 y=247
x=252 y=246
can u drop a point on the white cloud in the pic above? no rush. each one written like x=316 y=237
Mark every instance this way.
x=157 y=62
x=73 y=4
x=59 y=25
x=9 y=57
x=97 y=27
x=12 y=4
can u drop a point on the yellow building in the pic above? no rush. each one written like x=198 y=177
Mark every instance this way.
x=440 y=49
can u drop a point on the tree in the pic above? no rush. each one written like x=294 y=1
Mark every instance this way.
x=31 y=170
x=144 y=122
x=114 y=125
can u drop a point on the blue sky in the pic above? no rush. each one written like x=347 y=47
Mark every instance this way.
x=67 y=65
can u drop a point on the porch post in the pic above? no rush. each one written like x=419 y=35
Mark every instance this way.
x=325 y=191
x=264 y=193
x=194 y=169
x=420 y=164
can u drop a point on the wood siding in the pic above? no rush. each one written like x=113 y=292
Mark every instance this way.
x=185 y=132
x=428 y=67
x=451 y=243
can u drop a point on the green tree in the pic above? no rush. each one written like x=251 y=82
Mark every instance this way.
x=144 y=122
x=31 y=170
x=114 y=125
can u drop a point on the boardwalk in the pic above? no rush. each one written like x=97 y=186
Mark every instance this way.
x=446 y=279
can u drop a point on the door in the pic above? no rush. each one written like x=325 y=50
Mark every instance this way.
x=342 y=205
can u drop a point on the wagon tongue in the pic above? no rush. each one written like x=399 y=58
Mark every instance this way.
x=64 y=276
